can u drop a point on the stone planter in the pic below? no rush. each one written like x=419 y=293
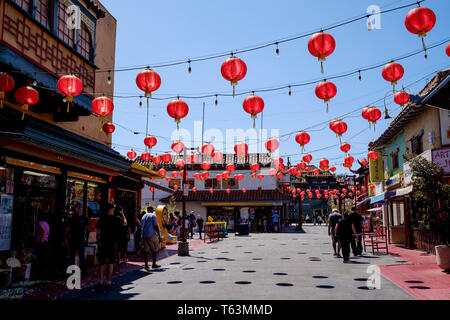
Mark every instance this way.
x=443 y=257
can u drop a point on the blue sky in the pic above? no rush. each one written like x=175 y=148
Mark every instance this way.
x=151 y=32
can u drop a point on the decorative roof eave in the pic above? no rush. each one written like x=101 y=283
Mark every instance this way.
x=144 y=171
x=157 y=186
x=413 y=109
x=92 y=6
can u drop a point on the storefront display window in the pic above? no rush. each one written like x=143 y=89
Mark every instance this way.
x=94 y=197
x=6 y=180
x=230 y=184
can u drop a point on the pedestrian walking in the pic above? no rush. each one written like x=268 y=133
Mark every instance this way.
x=200 y=223
x=345 y=230
x=138 y=232
x=108 y=232
x=357 y=221
x=179 y=221
x=276 y=221
x=333 y=219
x=151 y=237
x=265 y=222
x=124 y=237
x=192 y=224
x=319 y=220
x=75 y=235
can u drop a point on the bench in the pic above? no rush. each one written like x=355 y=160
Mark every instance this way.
x=212 y=232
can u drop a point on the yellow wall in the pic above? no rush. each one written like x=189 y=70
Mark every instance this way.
x=428 y=120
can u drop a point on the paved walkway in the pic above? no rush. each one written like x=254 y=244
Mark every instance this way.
x=261 y=266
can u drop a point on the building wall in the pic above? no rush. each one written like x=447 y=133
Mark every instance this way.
x=50 y=54
x=428 y=120
x=397 y=143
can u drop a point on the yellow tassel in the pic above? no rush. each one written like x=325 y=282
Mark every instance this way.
x=423 y=44
x=23 y=115
x=234 y=91
x=327 y=107
x=1 y=103
x=68 y=105
x=254 y=119
x=148 y=102
x=321 y=66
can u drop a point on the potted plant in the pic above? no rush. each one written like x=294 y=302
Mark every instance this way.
x=431 y=200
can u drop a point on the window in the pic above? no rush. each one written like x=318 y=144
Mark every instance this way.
x=212 y=183
x=179 y=183
x=230 y=184
x=64 y=33
x=85 y=42
x=395 y=163
x=24 y=4
x=43 y=12
x=417 y=143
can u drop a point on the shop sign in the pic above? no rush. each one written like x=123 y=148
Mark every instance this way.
x=445 y=126
x=441 y=157
x=376 y=170
x=6 y=211
x=394 y=180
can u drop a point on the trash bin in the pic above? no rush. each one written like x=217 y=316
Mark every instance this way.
x=243 y=229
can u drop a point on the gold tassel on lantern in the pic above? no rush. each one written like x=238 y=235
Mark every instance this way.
x=321 y=58
x=69 y=100
x=2 y=96
x=234 y=84
x=24 y=109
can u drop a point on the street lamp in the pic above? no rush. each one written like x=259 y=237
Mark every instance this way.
x=183 y=244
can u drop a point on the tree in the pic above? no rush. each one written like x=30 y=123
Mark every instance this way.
x=431 y=197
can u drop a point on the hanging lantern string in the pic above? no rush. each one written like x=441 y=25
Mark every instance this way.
x=250 y=48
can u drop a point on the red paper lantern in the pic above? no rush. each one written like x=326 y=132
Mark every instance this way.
x=228 y=191
x=419 y=21
x=109 y=128
x=219 y=176
x=194 y=189
x=131 y=154
x=174 y=174
x=193 y=157
x=166 y=157
x=372 y=186
x=280 y=175
x=372 y=155
x=307 y=158
x=151 y=189
x=180 y=163
x=196 y=175
x=102 y=106
x=349 y=160
x=253 y=105
x=150 y=141
x=260 y=176
x=70 y=86
x=168 y=179
x=162 y=172
x=207 y=149
x=206 y=165
x=401 y=98
x=226 y=174
x=177 y=109
x=321 y=45
x=301 y=165
x=316 y=172
x=230 y=167
x=447 y=49
x=345 y=147
x=333 y=169
x=6 y=85
x=177 y=146
x=365 y=112
x=363 y=162
x=146 y=156
x=26 y=96
x=156 y=160
x=211 y=190
x=326 y=90
x=205 y=174
x=148 y=81
x=339 y=127
x=324 y=164
x=244 y=190
x=302 y=138
x=217 y=156
x=254 y=167
x=392 y=72
x=363 y=188
x=233 y=69
x=241 y=149
x=272 y=145
x=272 y=172
x=374 y=115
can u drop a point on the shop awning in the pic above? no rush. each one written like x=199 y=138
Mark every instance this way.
x=403 y=191
x=375 y=209
x=380 y=198
x=363 y=201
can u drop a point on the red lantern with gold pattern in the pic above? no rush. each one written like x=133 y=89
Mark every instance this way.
x=363 y=162
x=365 y=112
x=26 y=96
x=217 y=156
x=244 y=190
x=205 y=174
x=401 y=98
x=272 y=172
x=174 y=174
x=177 y=146
x=6 y=85
x=156 y=160
x=301 y=165
x=321 y=45
x=392 y=72
x=166 y=157
x=349 y=160
x=307 y=158
x=316 y=172
x=419 y=21
x=345 y=147
x=233 y=69
x=374 y=115
x=253 y=105
x=324 y=164
x=206 y=165
x=150 y=141
x=131 y=154
x=162 y=172
x=326 y=90
x=207 y=149
x=146 y=156
x=255 y=167
x=148 y=81
x=226 y=174
x=241 y=149
x=302 y=138
x=373 y=155
x=339 y=127
x=272 y=145
x=180 y=163
x=177 y=109
x=333 y=169
x=108 y=128
x=230 y=167
x=102 y=106
x=69 y=86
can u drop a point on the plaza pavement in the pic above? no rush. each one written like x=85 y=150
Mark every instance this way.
x=278 y=266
